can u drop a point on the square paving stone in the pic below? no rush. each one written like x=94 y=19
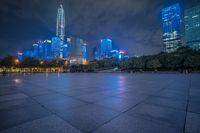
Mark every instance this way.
x=13 y=104
x=17 y=116
x=134 y=124
x=173 y=95
x=89 y=117
x=50 y=124
x=8 y=91
x=118 y=104
x=170 y=116
x=13 y=97
x=167 y=102
x=92 y=97
x=192 y=123
x=194 y=107
x=35 y=91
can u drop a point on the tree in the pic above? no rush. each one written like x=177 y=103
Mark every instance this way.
x=192 y=62
x=153 y=64
x=30 y=62
x=9 y=61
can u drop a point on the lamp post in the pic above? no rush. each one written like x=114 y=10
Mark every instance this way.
x=17 y=63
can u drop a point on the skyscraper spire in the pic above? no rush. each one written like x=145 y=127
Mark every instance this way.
x=60 y=28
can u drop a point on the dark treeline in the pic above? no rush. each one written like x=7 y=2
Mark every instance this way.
x=181 y=60
x=12 y=61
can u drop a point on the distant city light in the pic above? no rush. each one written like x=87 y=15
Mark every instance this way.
x=122 y=52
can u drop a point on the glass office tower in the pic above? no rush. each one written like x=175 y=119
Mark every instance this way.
x=36 y=50
x=105 y=48
x=77 y=50
x=55 y=47
x=172 y=28
x=48 y=50
x=192 y=27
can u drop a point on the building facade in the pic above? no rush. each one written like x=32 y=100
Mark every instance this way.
x=47 y=50
x=77 y=50
x=55 y=47
x=105 y=48
x=172 y=27
x=192 y=27
x=60 y=28
x=35 y=48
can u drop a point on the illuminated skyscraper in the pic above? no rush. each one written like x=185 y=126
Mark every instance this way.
x=105 y=48
x=77 y=50
x=60 y=28
x=55 y=47
x=36 y=50
x=172 y=28
x=192 y=27
x=47 y=49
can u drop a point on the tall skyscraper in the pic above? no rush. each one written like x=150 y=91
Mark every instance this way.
x=172 y=27
x=60 y=28
x=35 y=50
x=105 y=48
x=55 y=47
x=41 y=47
x=192 y=27
x=96 y=53
x=77 y=50
x=48 y=49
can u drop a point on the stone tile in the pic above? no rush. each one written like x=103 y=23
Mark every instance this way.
x=135 y=124
x=167 y=102
x=36 y=91
x=58 y=103
x=19 y=103
x=89 y=117
x=50 y=124
x=132 y=96
x=172 y=117
x=118 y=104
x=192 y=123
x=50 y=97
x=173 y=95
x=71 y=93
x=8 y=91
x=13 y=97
x=194 y=107
x=17 y=116
x=92 y=97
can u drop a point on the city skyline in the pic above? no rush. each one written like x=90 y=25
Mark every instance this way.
x=139 y=43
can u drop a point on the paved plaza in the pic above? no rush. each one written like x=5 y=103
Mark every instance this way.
x=100 y=103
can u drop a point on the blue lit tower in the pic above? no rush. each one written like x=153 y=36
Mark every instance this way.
x=48 y=50
x=172 y=27
x=35 y=50
x=84 y=51
x=192 y=27
x=60 y=28
x=105 y=48
x=41 y=51
x=55 y=47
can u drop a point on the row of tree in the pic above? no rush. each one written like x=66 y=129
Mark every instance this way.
x=183 y=59
x=12 y=61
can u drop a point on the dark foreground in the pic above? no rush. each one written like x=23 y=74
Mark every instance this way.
x=100 y=103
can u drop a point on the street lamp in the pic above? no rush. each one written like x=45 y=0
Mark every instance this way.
x=41 y=62
x=16 y=61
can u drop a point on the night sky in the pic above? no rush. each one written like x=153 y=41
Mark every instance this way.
x=134 y=25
